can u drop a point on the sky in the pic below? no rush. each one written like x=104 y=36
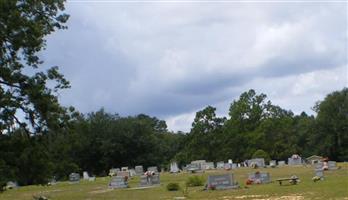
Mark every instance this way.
x=171 y=59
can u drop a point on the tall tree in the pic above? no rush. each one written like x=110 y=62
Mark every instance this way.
x=332 y=125
x=24 y=24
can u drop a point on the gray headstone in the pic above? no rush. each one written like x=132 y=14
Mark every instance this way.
x=220 y=165
x=174 y=167
x=124 y=169
x=123 y=173
x=118 y=182
x=319 y=173
x=223 y=181
x=132 y=173
x=234 y=165
x=319 y=165
x=153 y=168
x=295 y=160
x=74 y=178
x=11 y=185
x=281 y=163
x=146 y=181
x=139 y=170
x=193 y=167
x=259 y=162
x=209 y=165
x=261 y=177
x=272 y=163
x=113 y=171
x=332 y=165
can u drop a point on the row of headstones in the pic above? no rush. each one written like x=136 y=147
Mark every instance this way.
x=145 y=181
x=137 y=171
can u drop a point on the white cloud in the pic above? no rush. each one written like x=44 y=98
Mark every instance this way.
x=171 y=59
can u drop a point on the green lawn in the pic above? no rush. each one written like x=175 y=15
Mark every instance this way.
x=335 y=186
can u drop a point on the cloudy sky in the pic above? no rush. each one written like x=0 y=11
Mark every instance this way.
x=171 y=59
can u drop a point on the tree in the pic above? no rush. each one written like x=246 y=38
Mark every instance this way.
x=332 y=125
x=23 y=86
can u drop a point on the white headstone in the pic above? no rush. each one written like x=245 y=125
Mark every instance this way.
x=85 y=175
x=174 y=167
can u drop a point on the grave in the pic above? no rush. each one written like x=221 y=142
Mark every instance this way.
x=118 y=182
x=74 y=178
x=319 y=165
x=174 y=167
x=228 y=166
x=209 y=165
x=332 y=165
x=272 y=163
x=259 y=177
x=123 y=173
x=85 y=175
x=113 y=171
x=124 y=169
x=11 y=185
x=256 y=162
x=139 y=170
x=132 y=173
x=193 y=168
x=222 y=181
x=314 y=159
x=200 y=164
x=153 y=169
x=234 y=165
x=295 y=160
x=319 y=173
x=147 y=181
x=281 y=163
x=220 y=165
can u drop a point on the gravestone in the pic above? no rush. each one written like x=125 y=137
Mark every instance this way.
x=153 y=169
x=258 y=162
x=146 y=181
x=319 y=165
x=113 y=171
x=174 y=167
x=295 y=160
x=193 y=168
x=281 y=163
x=209 y=165
x=124 y=169
x=132 y=173
x=11 y=185
x=74 y=178
x=118 y=182
x=260 y=177
x=123 y=173
x=272 y=163
x=234 y=165
x=199 y=163
x=139 y=170
x=228 y=166
x=220 y=165
x=222 y=181
x=319 y=173
x=332 y=165
x=85 y=175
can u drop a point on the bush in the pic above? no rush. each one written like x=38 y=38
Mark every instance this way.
x=173 y=187
x=193 y=181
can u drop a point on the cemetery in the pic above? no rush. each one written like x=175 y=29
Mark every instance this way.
x=266 y=183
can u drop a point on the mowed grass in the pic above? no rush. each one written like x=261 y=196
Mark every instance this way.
x=335 y=186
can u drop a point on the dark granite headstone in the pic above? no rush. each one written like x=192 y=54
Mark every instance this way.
x=74 y=178
x=220 y=182
x=118 y=182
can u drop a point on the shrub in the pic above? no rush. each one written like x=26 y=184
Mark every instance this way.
x=193 y=181
x=173 y=187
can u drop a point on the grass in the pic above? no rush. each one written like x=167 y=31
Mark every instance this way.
x=335 y=186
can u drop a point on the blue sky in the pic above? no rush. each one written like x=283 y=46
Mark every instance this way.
x=171 y=59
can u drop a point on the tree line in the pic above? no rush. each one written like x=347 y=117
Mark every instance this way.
x=98 y=141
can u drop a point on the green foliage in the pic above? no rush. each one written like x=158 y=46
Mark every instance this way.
x=173 y=187
x=23 y=87
x=194 y=181
x=261 y=154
